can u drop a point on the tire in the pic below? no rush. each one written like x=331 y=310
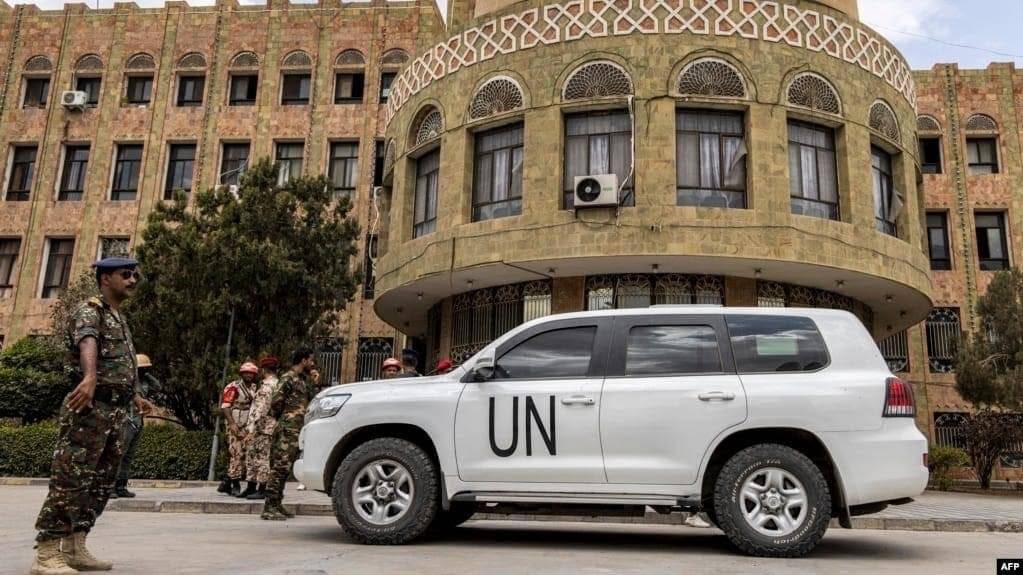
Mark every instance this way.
x=458 y=514
x=787 y=530
x=419 y=485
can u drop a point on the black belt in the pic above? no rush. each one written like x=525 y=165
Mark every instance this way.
x=113 y=396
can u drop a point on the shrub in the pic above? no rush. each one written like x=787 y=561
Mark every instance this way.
x=942 y=459
x=164 y=452
x=32 y=380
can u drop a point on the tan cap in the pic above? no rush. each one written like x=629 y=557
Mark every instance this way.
x=142 y=360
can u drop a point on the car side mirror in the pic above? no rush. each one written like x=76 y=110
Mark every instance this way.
x=483 y=369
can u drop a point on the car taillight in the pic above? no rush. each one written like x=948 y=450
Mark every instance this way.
x=898 y=399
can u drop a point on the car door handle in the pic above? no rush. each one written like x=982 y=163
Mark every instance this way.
x=712 y=395
x=577 y=400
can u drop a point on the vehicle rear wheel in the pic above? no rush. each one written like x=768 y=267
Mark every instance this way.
x=385 y=492
x=459 y=513
x=772 y=501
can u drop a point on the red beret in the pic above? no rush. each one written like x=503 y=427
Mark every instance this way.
x=269 y=361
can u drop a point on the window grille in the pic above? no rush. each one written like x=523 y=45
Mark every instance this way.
x=192 y=60
x=597 y=80
x=643 y=290
x=371 y=355
x=245 y=60
x=927 y=124
x=882 y=119
x=483 y=315
x=89 y=63
x=38 y=64
x=981 y=123
x=895 y=349
x=350 y=58
x=814 y=92
x=140 y=61
x=496 y=96
x=943 y=336
x=711 y=77
x=297 y=59
x=430 y=126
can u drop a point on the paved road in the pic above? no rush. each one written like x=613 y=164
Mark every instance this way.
x=145 y=543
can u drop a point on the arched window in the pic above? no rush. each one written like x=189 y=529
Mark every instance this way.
x=809 y=90
x=244 y=80
x=296 y=79
x=139 y=73
x=496 y=96
x=37 y=82
x=883 y=121
x=711 y=77
x=598 y=79
x=982 y=144
x=191 y=75
x=89 y=78
x=349 y=77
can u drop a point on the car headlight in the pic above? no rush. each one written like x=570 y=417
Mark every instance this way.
x=326 y=406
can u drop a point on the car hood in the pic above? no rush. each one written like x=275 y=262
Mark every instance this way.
x=381 y=384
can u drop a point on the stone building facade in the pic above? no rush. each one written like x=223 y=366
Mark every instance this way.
x=766 y=153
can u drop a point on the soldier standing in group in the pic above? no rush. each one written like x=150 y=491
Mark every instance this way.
x=261 y=429
x=133 y=428
x=88 y=451
x=288 y=404
x=236 y=401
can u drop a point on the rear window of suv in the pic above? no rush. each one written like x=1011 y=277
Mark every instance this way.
x=764 y=343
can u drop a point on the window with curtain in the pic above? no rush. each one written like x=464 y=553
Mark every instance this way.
x=140 y=90
x=992 y=247
x=190 y=90
x=937 y=241
x=344 y=168
x=982 y=155
x=386 y=79
x=710 y=153
x=127 y=168
x=180 y=165
x=296 y=89
x=813 y=178
x=9 y=248
x=37 y=91
x=598 y=143
x=243 y=89
x=289 y=161
x=234 y=162
x=72 y=181
x=424 y=213
x=886 y=201
x=91 y=88
x=23 y=167
x=497 y=182
x=58 y=267
x=349 y=87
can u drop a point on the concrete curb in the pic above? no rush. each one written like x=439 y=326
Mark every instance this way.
x=316 y=509
x=144 y=483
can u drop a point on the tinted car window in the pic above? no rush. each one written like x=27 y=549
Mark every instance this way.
x=556 y=353
x=772 y=343
x=666 y=349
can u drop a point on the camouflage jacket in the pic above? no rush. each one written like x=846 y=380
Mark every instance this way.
x=293 y=394
x=260 y=419
x=115 y=360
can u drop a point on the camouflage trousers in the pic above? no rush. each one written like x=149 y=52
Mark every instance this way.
x=257 y=457
x=236 y=450
x=283 y=453
x=85 y=464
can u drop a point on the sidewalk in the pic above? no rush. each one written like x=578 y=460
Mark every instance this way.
x=931 y=511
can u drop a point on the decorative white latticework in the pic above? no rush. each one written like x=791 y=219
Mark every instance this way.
x=981 y=123
x=796 y=25
x=245 y=60
x=597 y=80
x=711 y=77
x=925 y=123
x=89 y=63
x=297 y=59
x=430 y=126
x=882 y=119
x=770 y=294
x=193 y=60
x=812 y=91
x=141 y=61
x=497 y=95
x=350 y=58
x=38 y=64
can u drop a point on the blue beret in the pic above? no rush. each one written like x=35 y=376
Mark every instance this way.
x=116 y=263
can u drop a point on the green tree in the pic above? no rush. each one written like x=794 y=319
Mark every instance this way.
x=81 y=289
x=277 y=256
x=989 y=373
x=32 y=379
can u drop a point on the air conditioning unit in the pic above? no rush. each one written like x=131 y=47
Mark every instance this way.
x=596 y=191
x=74 y=99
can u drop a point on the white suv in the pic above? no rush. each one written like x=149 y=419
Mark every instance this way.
x=772 y=421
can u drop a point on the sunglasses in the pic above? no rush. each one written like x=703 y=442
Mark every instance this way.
x=128 y=274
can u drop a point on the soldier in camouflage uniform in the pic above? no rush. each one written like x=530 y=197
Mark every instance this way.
x=288 y=404
x=236 y=402
x=102 y=362
x=261 y=429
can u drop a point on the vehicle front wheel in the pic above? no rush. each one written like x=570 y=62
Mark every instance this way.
x=385 y=492
x=772 y=501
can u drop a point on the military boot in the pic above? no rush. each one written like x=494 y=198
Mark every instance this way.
x=225 y=486
x=236 y=487
x=284 y=510
x=250 y=488
x=260 y=492
x=50 y=560
x=79 y=557
x=121 y=490
x=272 y=510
